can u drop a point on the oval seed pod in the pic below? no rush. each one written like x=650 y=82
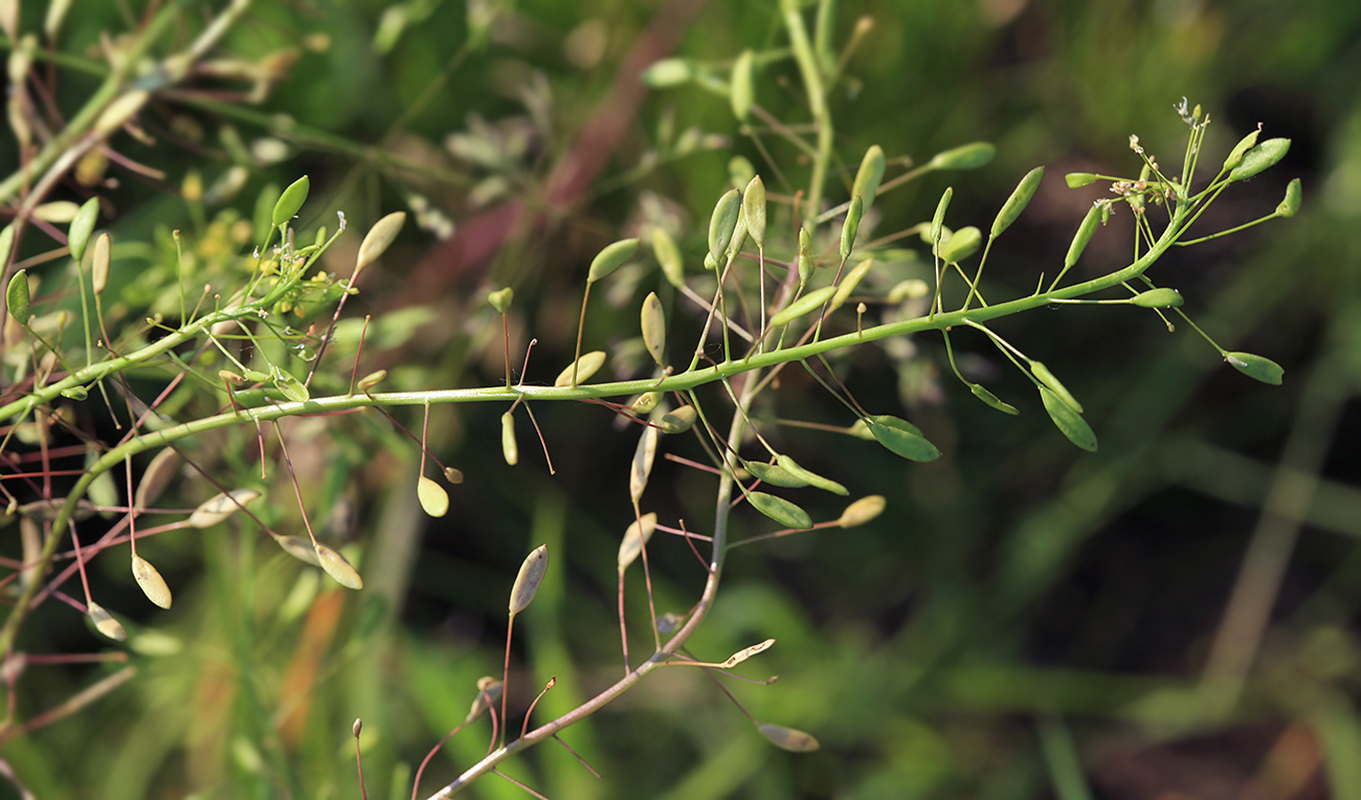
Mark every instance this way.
x=532 y=572
x=862 y=511
x=1261 y=157
x=1068 y=420
x=993 y=400
x=106 y=624
x=848 y=284
x=742 y=85
x=81 y=227
x=678 y=421
x=811 y=478
x=795 y=741
x=300 y=547
x=722 y=223
x=805 y=257
x=968 y=156
x=1083 y=236
x=338 y=568
x=868 y=177
x=434 y=500
x=501 y=299
x=780 y=510
x=851 y=226
x=17 y=297
x=1076 y=180
x=654 y=327
x=453 y=475
x=668 y=257
x=638 y=533
x=287 y=383
x=1256 y=367
x=149 y=578
x=645 y=403
x=643 y=456
x=488 y=692
x=961 y=244
x=611 y=258
x=378 y=239
x=1291 y=204
x=290 y=201
x=1245 y=144
x=6 y=244
x=938 y=221
x=583 y=368
x=156 y=477
x=1157 y=298
x=902 y=437
x=668 y=72
x=509 y=448
x=1015 y=204
x=809 y=302
x=100 y=262
x=754 y=210
x=371 y=380
x=221 y=506
x=120 y=110
x=1044 y=376
x=773 y=474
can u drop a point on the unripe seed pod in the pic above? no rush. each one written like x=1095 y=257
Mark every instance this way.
x=1245 y=144
x=781 y=510
x=1076 y=180
x=851 y=226
x=611 y=258
x=742 y=86
x=669 y=257
x=582 y=369
x=1015 y=204
x=754 y=210
x=532 y=572
x=938 y=221
x=501 y=299
x=156 y=477
x=848 y=284
x=1157 y=298
x=371 y=380
x=81 y=227
x=151 y=582
x=1044 y=376
x=300 y=547
x=639 y=532
x=378 y=239
x=668 y=72
x=969 y=156
x=1083 y=236
x=868 y=177
x=811 y=478
x=338 y=568
x=6 y=244
x=654 y=327
x=809 y=302
x=106 y=624
x=1256 y=367
x=17 y=297
x=100 y=262
x=290 y=201
x=434 y=500
x=1067 y=419
x=645 y=403
x=643 y=456
x=992 y=399
x=122 y=109
x=805 y=256
x=795 y=741
x=1291 y=204
x=862 y=511
x=509 y=448
x=1259 y=158
x=961 y=244
x=678 y=421
x=722 y=223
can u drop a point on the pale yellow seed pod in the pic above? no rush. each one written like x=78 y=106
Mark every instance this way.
x=106 y=624
x=643 y=457
x=338 y=568
x=849 y=283
x=746 y=653
x=221 y=506
x=527 y=583
x=300 y=548
x=583 y=368
x=57 y=212
x=509 y=448
x=654 y=327
x=678 y=421
x=434 y=500
x=639 y=532
x=157 y=476
x=149 y=578
x=378 y=239
x=862 y=511
x=488 y=692
x=120 y=111
x=371 y=380
x=795 y=741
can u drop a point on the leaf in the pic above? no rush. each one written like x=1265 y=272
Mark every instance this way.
x=434 y=500
x=795 y=741
x=611 y=258
x=1068 y=420
x=290 y=201
x=902 y=437
x=992 y=399
x=1256 y=367
x=780 y=510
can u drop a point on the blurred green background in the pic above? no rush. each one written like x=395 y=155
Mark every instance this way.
x=1172 y=617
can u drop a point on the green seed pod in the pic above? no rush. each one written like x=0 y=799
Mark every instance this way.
x=221 y=506
x=780 y=510
x=722 y=223
x=805 y=257
x=848 y=284
x=1157 y=298
x=795 y=741
x=434 y=500
x=643 y=456
x=773 y=474
x=654 y=327
x=81 y=227
x=869 y=176
x=1076 y=180
x=1083 y=236
x=638 y=533
x=862 y=511
x=584 y=367
x=669 y=257
x=992 y=399
x=645 y=403
x=1068 y=420
x=851 y=226
x=1015 y=204
x=1044 y=376
x=156 y=477
x=290 y=201
x=371 y=380
x=809 y=302
x=532 y=572
x=106 y=624
x=739 y=234
x=501 y=299
x=1259 y=158
x=969 y=156
x=742 y=85
x=509 y=448
x=75 y=393
x=740 y=171
x=17 y=298
x=1291 y=204
x=938 y=221
x=961 y=244
x=292 y=388
x=902 y=437
x=678 y=421
x=668 y=72
x=151 y=582
x=100 y=262
x=338 y=568
x=1256 y=367
x=378 y=239
x=754 y=210
x=1245 y=144
x=611 y=258
x=811 y=478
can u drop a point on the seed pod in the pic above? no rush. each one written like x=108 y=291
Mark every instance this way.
x=221 y=506
x=290 y=201
x=17 y=297
x=808 y=476
x=643 y=456
x=1256 y=367
x=1044 y=376
x=100 y=263
x=488 y=692
x=56 y=13
x=300 y=548
x=6 y=244
x=746 y=653
x=851 y=226
x=292 y=388
x=58 y=212
x=357 y=727
x=1245 y=144
x=509 y=448
x=645 y=403
x=961 y=244
x=81 y=227
x=969 y=156
x=106 y=624
x=678 y=421
x=583 y=368
x=452 y=475
x=1259 y=158
x=654 y=327
x=1157 y=298
x=153 y=585
x=1082 y=237
x=434 y=500
x=805 y=257
x=1076 y=180
x=1291 y=204
x=938 y=221
x=902 y=438
x=378 y=239
x=742 y=88
x=780 y=510
x=868 y=177
x=773 y=474
x=754 y=210
x=669 y=257
x=611 y=258
x=795 y=741
x=338 y=568
x=722 y=223
x=371 y=380
x=156 y=477
x=1015 y=204
x=1068 y=420
x=848 y=284
x=862 y=511
x=992 y=399
x=120 y=110
x=638 y=533
x=809 y=302
x=501 y=299
x=668 y=72
x=532 y=572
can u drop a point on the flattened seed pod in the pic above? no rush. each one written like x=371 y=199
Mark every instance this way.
x=378 y=239
x=754 y=210
x=643 y=456
x=338 y=568
x=862 y=511
x=156 y=477
x=1015 y=204
x=791 y=739
x=106 y=624
x=583 y=368
x=805 y=257
x=868 y=177
x=1083 y=236
x=509 y=448
x=100 y=262
x=723 y=222
x=1290 y=205
x=849 y=283
x=851 y=226
x=678 y=421
x=1068 y=420
x=371 y=380
x=743 y=85
x=638 y=533
x=1259 y=158
x=81 y=227
x=221 y=506
x=611 y=258
x=808 y=476
x=654 y=327
x=961 y=244
x=781 y=510
x=1256 y=367
x=151 y=582
x=501 y=299
x=300 y=548
x=290 y=201
x=669 y=257
x=1044 y=376
x=1245 y=144
x=938 y=221
x=1157 y=298
x=16 y=295
x=968 y=156
x=798 y=308
x=434 y=500
x=532 y=572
